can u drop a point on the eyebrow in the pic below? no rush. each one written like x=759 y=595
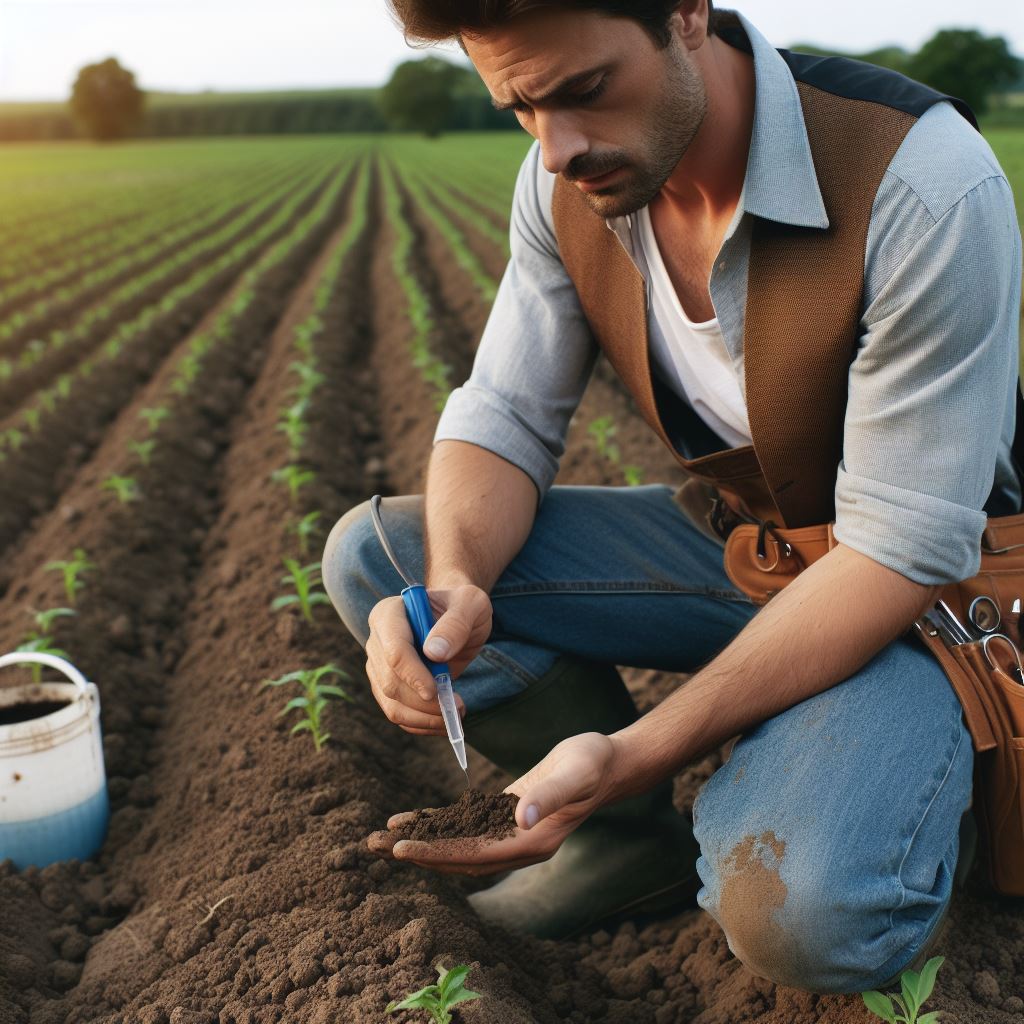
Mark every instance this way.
x=557 y=90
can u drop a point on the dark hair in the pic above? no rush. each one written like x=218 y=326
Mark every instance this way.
x=435 y=21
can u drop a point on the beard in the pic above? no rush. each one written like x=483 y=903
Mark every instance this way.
x=674 y=122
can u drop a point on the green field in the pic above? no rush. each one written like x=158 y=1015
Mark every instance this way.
x=1008 y=146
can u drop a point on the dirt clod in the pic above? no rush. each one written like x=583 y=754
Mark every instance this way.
x=474 y=815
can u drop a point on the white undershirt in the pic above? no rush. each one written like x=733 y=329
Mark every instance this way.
x=692 y=356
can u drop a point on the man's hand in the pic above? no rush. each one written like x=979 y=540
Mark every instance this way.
x=555 y=797
x=402 y=685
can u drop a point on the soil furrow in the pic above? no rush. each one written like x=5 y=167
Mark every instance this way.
x=37 y=472
x=127 y=634
x=275 y=832
x=21 y=385
x=581 y=463
x=62 y=313
x=491 y=256
x=455 y=310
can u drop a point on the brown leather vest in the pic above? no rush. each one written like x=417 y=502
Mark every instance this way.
x=803 y=305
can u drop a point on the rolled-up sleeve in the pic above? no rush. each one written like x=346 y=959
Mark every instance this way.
x=536 y=353
x=936 y=366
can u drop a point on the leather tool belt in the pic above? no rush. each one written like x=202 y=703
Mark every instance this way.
x=761 y=558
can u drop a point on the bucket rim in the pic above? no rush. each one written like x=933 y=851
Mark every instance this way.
x=50 y=729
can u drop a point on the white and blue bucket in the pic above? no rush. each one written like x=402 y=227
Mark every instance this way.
x=53 y=787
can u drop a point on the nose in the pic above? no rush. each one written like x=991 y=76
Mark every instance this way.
x=561 y=141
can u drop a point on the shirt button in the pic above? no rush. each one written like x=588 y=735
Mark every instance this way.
x=721 y=265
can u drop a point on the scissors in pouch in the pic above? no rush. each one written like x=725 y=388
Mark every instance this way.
x=984 y=616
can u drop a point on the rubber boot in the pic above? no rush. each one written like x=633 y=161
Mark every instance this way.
x=634 y=856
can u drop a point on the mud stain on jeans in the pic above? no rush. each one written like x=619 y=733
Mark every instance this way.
x=752 y=890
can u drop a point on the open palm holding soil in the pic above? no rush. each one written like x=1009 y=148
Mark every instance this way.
x=482 y=835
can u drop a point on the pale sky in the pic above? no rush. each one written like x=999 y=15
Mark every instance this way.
x=187 y=45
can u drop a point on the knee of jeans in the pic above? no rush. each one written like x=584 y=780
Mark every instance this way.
x=794 y=924
x=350 y=547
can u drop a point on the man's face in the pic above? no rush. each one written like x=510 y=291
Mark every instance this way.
x=625 y=111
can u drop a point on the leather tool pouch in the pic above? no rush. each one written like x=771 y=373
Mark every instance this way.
x=761 y=559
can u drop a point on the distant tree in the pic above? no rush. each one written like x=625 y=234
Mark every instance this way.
x=966 y=64
x=894 y=57
x=421 y=94
x=106 y=101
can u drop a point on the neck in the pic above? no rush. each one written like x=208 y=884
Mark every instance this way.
x=709 y=178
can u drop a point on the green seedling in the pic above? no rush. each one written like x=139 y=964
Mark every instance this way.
x=72 y=569
x=37 y=643
x=295 y=477
x=303 y=578
x=44 y=620
x=154 y=417
x=438 y=999
x=905 y=1007
x=310 y=378
x=634 y=475
x=142 y=449
x=601 y=430
x=124 y=487
x=304 y=529
x=293 y=426
x=313 y=700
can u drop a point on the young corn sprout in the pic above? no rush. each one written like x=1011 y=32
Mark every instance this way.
x=634 y=475
x=304 y=529
x=310 y=378
x=44 y=619
x=293 y=426
x=72 y=569
x=601 y=429
x=438 y=999
x=303 y=578
x=143 y=450
x=37 y=643
x=124 y=487
x=915 y=989
x=154 y=417
x=295 y=478
x=313 y=700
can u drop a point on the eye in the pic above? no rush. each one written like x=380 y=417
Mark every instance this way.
x=593 y=94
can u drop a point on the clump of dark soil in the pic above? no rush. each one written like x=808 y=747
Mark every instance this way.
x=474 y=815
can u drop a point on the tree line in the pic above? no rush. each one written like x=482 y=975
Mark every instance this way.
x=429 y=95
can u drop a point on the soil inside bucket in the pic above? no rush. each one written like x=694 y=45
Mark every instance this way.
x=475 y=815
x=25 y=711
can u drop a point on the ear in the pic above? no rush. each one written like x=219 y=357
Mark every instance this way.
x=689 y=23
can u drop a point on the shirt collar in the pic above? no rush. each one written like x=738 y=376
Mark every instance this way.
x=780 y=182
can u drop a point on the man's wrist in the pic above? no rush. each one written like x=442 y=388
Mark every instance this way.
x=629 y=766
x=449 y=580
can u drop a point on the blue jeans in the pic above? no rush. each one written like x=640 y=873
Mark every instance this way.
x=830 y=837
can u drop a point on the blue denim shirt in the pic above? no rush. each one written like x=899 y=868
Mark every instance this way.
x=931 y=402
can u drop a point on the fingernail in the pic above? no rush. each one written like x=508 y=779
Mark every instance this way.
x=532 y=815
x=436 y=648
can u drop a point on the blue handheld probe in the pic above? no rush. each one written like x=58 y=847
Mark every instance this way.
x=421 y=618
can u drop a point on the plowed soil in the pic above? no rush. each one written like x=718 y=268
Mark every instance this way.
x=235 y=886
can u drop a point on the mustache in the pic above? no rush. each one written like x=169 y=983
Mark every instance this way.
x=591 y=166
